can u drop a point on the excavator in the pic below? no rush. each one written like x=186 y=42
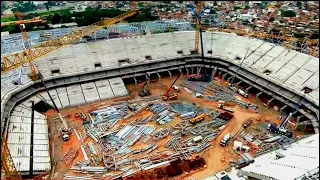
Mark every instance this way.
x=172 y=96
x=144 y=92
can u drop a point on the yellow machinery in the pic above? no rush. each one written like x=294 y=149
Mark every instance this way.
x=197 y=119
x=11 y=62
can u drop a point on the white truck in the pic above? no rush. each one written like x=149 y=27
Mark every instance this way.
x=243 y=93
x=176 y=88
x=226 y=139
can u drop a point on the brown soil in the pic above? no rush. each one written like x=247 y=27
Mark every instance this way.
x=212 y=156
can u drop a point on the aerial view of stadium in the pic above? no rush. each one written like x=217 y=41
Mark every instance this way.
x=195 y=90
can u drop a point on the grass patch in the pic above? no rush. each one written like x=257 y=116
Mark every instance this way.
x=8 y=19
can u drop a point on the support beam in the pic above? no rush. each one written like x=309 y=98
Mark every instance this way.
x=191 y=69
x=270 y=101
x=238 y=83
x=214 y=70
x=220 y=73
x=147 y=78
x=187 y=71
x=198 y=70
x=285 y=106
x=135 y=80
x=170 y=74
x=259 y=94
x=180 y=70
x=229 y=79
x=159 y=76
x=247 y=89
x=224 y=76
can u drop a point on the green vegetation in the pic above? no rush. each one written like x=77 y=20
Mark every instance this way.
x=24 y=7
x=84 y=18
x=288 y=14
x=8 y=19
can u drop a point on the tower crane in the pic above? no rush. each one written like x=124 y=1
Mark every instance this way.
x=11 y=62
x=14 y=61
x=22 y=27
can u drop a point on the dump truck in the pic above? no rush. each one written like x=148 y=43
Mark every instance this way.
x=226 y=139
x=221 y=106
x=197 y=119
x=225 y=116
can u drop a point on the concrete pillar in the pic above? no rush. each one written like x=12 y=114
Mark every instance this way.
x=187 y=71
x=285 y=106
x=191 y=69
x=220 y=73
x=214 y=70
x=159 y=76
x=247 y=89
x=147 y=78
x=180 y=70
x=224 y=75
x=95 y=36
x=229 y=79
x=135 y=80
x=198 y=70
x=270 y=101
x=259 y=94
x=238 y=83
x=170 y=74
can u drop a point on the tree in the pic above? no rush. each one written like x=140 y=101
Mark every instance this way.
x=47 y=6
x=299 y=4
x=288 y=14
x=56 y=19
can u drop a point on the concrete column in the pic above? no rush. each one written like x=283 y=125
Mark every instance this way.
x=147 y=78
x=191 y=69
x=259 y=94
x=187 y=71
x=229 y=79
x=180 y=70
x=224 y=76
x=214 y=72
x=270 y=101
x=220 y=73
x=135 y=80
x=170 y=74
x=159 y=76
x=247 y=89
x=285 y=106
x=95 y=36
x=238 y=83
x=198 y=70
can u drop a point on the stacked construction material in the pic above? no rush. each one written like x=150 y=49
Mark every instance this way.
x=110 y=115
x=165 y=114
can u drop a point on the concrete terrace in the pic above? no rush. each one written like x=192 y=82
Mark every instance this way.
x=287 y=68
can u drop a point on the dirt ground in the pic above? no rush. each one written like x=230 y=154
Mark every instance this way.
x=212 y=156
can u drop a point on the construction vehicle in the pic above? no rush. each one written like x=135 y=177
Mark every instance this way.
x=225 y=116
x=197 y=119
x=144 y=92
x=222 y=106
x=247 y=123
x=243 y=93
x=226 y=140
x=176 y=88
x=282 y=128
x=172 y=96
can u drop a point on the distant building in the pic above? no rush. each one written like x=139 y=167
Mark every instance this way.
x=73 y=24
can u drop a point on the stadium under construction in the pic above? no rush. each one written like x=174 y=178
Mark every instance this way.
x=180 y=127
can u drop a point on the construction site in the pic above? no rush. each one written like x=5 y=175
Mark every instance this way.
x=182 y=105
